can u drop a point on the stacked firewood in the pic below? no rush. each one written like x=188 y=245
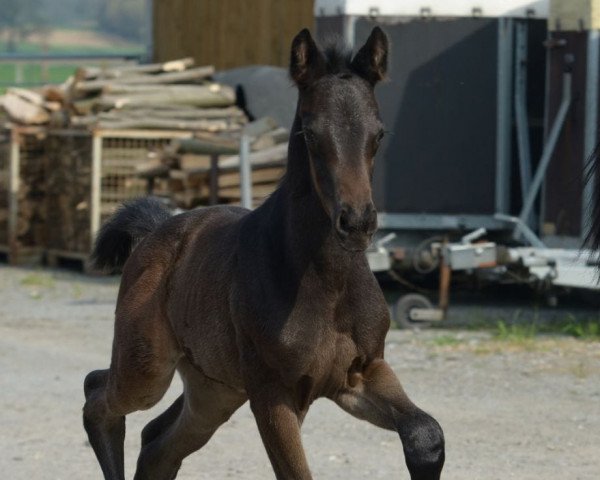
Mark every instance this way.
x=183 y=171
x=68 y=186
x=166 y=96
x=200 y=168
x=31 y=213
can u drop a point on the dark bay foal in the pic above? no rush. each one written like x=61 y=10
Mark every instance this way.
x=276 y=306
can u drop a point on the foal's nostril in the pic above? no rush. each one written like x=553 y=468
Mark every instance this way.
x=350 y=222
x=343 y=222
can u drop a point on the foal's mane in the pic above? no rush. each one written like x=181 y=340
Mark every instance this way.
x=338 y=55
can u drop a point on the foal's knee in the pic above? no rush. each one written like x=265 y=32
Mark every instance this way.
x=423 y=442
x=94 y=380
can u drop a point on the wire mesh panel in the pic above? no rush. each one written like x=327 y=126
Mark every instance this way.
x=89 y=175
x=120 y=154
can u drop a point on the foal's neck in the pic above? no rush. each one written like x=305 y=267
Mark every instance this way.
x=302 y=225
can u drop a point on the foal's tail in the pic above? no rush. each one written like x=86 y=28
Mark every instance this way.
x=129 y=225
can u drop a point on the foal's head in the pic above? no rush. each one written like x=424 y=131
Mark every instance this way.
x=342 y=129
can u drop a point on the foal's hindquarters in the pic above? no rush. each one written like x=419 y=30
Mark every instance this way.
x=146 y=352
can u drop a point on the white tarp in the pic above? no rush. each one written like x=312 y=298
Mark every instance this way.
x=436 y=8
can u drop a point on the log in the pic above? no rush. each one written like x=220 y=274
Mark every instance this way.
x=152 y=168
x=167 y=124
x=270 y=139
x=171 y=66
x=190 y=161
x=35 y=98
x=125 y=89
x=276 y=155
x=193 y=113
x=117 y=72
x=201 y=146
x=213 y=95
x=193 y=74
x=23 y=111
x=258 y=191
x=269 y=175
x=260 y=127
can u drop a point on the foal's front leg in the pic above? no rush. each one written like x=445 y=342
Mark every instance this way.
x=375 y=395
x=279 y=420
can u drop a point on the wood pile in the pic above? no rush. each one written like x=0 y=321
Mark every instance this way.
x=31 y=212
x=183 y=171
x=68 y=186
x=166 y=96
x=54 y=196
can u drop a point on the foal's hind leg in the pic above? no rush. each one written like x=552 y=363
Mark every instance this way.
x=187 y=425
x=376 y=395
x=143 y=363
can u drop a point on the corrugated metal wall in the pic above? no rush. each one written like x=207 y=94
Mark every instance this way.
x=229 y=33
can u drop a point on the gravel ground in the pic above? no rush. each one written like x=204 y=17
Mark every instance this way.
x=510 y=409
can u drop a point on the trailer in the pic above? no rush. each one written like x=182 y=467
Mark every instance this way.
x=543 y=269
x=492 y=109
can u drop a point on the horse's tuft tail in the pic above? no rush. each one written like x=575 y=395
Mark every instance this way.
x=121 y=233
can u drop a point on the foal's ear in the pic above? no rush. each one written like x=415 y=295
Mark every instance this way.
x=372 y=59
x=306 y=60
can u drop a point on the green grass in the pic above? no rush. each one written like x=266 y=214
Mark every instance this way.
x=38 y=280
x=587 y=330
x=36 y=48
x=32 y=73
x=446 y=340
x=515 y=332
x=583 y=329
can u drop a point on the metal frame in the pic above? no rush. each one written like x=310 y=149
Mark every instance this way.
x=504 y=114
x=409 y=221
x=591 y=124
x=540 y=173
x=97 y=153
x=520 y=106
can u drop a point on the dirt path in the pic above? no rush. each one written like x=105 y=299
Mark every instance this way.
x=524 y=410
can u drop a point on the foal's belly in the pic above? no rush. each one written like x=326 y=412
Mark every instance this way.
x=198 y=305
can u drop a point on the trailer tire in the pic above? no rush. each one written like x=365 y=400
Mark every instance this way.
x=402 y=308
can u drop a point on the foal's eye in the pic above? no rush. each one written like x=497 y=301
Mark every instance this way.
x=378 y=138
x=309 y=135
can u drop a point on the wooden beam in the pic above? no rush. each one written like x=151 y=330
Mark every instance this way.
x=574 y=15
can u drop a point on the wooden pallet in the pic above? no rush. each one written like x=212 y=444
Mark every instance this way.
x=26 y=256
x=78 y=260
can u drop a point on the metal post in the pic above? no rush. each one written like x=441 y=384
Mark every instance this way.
x=503 y=114
x=591 y=125
x=214 y=179
x=13 y=192
x=548 y=149
x=96 y=186
x=149 y=31
x=19 y=73
x=245 y=172
x=520 y=105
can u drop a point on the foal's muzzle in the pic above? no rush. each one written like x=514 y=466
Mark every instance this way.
x=355 y=228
